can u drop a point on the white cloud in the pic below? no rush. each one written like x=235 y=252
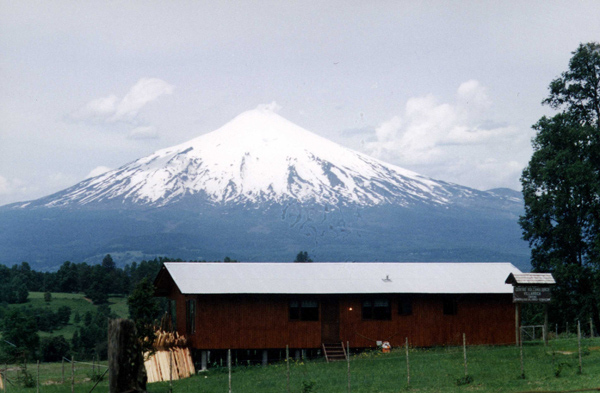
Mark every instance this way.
x=113 y=109
x=4 y=186
x=14 y=189
x=12 y=186
x=148 y=132
x=272 y=107
x=454 y=141
x=97 y=171
x=144 y=91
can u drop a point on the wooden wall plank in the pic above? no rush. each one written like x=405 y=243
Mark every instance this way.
x=262 y=321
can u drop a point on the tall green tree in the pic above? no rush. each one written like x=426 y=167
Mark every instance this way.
x=303 y=257
x=19 y=334
x=144 y=310
x=561 y=189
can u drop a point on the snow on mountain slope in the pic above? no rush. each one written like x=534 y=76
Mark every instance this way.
x=260 y=157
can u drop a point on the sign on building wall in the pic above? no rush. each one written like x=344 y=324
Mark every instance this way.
x=531 y=294
x=531 y=287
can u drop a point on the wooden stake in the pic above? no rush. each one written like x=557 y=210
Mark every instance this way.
x=348 y=358
x=517 y=327
x=38 y=377
x=170 y=371
x=579 y=346
x=229 y=367
x=545 y=324
x=407 y=365
x=287 y=362
x=521 y=348
x=72 y=374
x=465 y=353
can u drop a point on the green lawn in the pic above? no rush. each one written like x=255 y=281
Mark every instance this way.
x=493 y=369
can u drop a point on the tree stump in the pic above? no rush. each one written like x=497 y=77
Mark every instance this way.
x=125 y=359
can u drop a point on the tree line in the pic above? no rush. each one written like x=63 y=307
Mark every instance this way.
x=95 y=281
x=19 y=326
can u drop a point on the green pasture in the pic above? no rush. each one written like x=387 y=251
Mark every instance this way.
x=493 y=369
x=77 y=302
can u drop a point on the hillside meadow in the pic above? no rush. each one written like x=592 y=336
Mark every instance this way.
x=78 y=304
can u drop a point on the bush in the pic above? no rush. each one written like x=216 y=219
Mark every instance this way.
x=54 y=348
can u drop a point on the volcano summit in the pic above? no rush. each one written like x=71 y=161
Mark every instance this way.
x=263 y=188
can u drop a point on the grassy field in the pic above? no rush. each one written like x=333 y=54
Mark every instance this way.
x=492 y=369
x=77 y=302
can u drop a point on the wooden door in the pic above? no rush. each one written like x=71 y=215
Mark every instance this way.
x=330 y=321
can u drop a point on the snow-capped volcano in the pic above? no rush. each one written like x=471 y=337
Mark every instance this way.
x=259 y=156
x=261 y=188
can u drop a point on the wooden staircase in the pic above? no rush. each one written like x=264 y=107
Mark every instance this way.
x=334 y=351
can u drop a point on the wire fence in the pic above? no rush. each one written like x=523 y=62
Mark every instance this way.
x=426 y=369
x=42 y=376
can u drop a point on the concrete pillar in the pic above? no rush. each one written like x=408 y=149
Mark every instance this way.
x=304 y=354
x=297 y=354
x=265 y=357
x=203 y=360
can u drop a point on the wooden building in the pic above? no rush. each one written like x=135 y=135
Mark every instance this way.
x=247 y=306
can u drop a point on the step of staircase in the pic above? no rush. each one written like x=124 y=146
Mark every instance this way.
x=334 y=351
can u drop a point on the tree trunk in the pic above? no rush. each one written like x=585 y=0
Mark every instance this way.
x=125 y=359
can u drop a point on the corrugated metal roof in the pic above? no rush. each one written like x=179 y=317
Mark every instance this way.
x=531 y=278
x=340 y=278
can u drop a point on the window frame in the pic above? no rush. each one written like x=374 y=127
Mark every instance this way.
x=190 y=316
x=312 y=314
x=370 y=313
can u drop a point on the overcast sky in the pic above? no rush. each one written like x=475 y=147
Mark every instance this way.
x=447 y=89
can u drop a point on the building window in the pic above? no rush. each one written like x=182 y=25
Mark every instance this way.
x=405 y=307
x=376 y=310
x=172 y=310
x=304 y=310
x=450 y=306
x=190 y=316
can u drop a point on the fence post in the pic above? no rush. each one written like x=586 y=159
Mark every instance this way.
x=38 y=377
x=170 y=371
x=72 y=374
x=545 y=324
x=287 y=363
x=517 y=324
x=348 y=357
x=465 y=353
x=579 y=345
x=229 y=367
x=407 y=365
x=521 y=349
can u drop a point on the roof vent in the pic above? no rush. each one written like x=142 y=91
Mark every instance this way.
x=387 y=278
